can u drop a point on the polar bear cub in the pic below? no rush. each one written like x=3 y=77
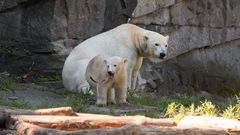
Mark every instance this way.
x=107 y=77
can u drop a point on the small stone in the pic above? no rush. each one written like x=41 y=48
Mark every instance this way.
x=12 y=98
x=152 y=83
x=4 y=74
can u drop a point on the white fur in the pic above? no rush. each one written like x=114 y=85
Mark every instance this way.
x=107 y=77
x=127 y=41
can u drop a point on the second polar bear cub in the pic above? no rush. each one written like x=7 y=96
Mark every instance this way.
x=107 y=77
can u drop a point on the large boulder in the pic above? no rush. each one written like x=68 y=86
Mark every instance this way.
x=204 y=45
x=41 y=33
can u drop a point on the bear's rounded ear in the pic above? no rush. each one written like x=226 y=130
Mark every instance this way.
x=145 y=38
x=105 y=61
x=125 y=60
x=167 y=37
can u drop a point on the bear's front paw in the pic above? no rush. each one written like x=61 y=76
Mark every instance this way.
x=124 y=104
x=100 y=104
x=111 y=102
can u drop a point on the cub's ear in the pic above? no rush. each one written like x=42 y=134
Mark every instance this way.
x=105 y=61
x=145 y=38
x=167 y=37
x=125 y=60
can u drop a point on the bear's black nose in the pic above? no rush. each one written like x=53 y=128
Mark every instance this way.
x=110 y=73
x=162 y=55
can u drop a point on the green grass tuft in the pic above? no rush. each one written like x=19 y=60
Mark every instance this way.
x=79 y=102
x=232 y=111
x=206 y=108
x=172 y=109
x=15 y=103
x=7 y=84
x=47 y=78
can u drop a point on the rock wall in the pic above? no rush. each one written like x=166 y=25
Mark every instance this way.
x=38 y=34
x=204 y=50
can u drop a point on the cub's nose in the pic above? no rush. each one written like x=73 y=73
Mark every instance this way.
x=110 y=73
x=162 y=55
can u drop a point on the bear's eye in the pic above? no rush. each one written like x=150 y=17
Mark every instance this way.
x=165 y=45
x=115 y=65
x=156 y=44
x=107 y=66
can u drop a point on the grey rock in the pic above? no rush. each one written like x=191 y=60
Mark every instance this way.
x=152 y=83
x=74 y=19
x=163 y=29
x=4 y=74
x=118 y=12
x=232 y=13
x=203 y=51
x=36 y=19
x=199 y=37
x=213 y=13
x=8 y=4
x=145 y=7
x=214 y=69
x=160 y=17
x=12 y=98
x=165 y=3
x=209 y=13
x=64 y=47
x=9 y=25
x=48 y=30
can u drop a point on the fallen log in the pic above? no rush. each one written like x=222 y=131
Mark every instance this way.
x=6 y=112
x=60 y=111
x=89 y=121
x=23 y=128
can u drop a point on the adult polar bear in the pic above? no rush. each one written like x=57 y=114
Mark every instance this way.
x=127 y=41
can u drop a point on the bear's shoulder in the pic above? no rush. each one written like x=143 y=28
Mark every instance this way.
x=128 y=26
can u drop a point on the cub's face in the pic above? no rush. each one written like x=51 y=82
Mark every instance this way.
x=157 y=45
x=114 y=65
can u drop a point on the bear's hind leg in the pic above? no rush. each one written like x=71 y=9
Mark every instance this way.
x=134 y=80
x=101 y=96
x=129 y=79
x=135 y=73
